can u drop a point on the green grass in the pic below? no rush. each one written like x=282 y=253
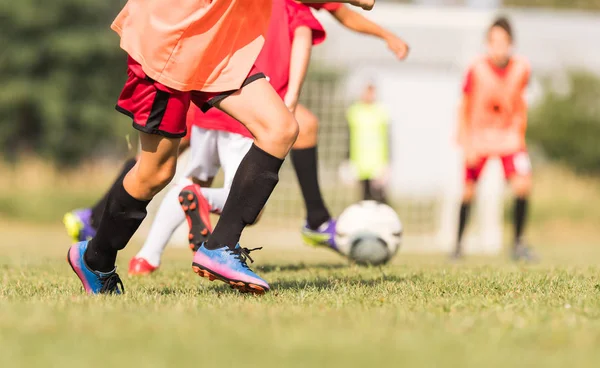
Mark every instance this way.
x=418 y=312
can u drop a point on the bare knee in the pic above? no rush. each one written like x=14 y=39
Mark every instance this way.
x=521 y=186
x=288 y=131
x=309 y=128
x=282 y=134
x=468 y=192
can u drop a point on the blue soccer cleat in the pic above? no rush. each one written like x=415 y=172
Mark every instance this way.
x=79 y=224
x=94 y=282
x=229 y=265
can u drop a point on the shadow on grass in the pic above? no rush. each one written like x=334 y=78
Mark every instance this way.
x=301 y=267
x=219 y=289
x=333 y=283
x=319 y=284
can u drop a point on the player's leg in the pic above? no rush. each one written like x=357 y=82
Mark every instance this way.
x=463 y=218
x=230 y=149
x=263 y=112
x=98 y=208
x=472 y=173
x=304 y=159
x=319 y=229
x=94 y=261
x=127 y=201
x=202 y=166
x=159 y=113
x=167 y=219
x=379 y=194
x=81 y=224
x=517 y=169
x=366 y=190
x=521 y=186
x=204 y=161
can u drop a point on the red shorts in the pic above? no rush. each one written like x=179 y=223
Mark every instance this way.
x=158 y=109
x=513 y=164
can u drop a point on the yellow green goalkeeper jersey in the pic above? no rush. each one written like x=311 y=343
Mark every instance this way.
x=369 y=151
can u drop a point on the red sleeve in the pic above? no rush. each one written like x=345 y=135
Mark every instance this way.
x=300 y=15
x=330 y=7
x=468 y=83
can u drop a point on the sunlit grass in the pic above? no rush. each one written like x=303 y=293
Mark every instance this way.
x=419 y=311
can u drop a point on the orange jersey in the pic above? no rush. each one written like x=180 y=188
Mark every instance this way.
x=496 y=109
x=202 y=45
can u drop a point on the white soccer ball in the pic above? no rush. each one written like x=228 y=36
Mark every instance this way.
x=369 y=233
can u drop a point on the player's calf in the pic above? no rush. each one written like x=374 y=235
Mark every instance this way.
x=148 y=178
x=308 y=124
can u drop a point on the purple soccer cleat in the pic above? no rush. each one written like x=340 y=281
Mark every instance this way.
x=79 y=224
x=324 y=236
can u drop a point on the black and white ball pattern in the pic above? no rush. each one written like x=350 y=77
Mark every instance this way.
x=369 y=233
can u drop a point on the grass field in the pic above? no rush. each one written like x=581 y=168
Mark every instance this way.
x=417 y=312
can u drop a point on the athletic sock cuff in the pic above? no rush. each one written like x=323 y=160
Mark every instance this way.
x=269 y=159
x=128 y=201
x=296 y=151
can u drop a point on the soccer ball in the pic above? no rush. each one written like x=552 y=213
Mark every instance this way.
x=369 y=233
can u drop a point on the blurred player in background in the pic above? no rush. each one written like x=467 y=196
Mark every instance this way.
x=202 y=53
x=319 y=229
x=218 y=140
x=369 y=150
x=492 y=123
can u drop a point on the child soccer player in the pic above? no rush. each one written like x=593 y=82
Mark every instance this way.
x=492 y=123
x=369 y=149
x=319 y=229
x=217 y=140
x=200 y=52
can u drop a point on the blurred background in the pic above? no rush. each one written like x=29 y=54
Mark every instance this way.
x=62 y=143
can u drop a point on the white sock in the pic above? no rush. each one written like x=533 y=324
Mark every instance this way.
x=216 y=198
x=168 y=218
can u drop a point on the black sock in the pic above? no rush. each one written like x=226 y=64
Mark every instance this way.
x=380 y=196
x=367 y=192
x=519 y=217
x=98 y=208
x=306 y=166
x=254 y=181
x=122 y=217
x=465 y=209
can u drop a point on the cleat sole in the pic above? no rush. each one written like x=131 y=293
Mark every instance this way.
x=242 y=287
x=199 y=231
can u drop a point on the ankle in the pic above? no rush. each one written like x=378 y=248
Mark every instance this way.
x=99 y=262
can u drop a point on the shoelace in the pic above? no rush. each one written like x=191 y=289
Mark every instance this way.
x=111 y=283
x=243 y=254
